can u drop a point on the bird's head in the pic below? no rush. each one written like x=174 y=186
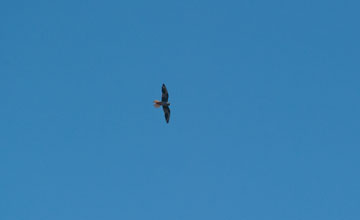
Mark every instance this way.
x=168 y=103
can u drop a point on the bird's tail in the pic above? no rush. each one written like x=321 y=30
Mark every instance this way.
x=157 y=103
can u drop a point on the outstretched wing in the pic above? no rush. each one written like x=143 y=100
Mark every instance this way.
x=167 y=113
x=165 y=95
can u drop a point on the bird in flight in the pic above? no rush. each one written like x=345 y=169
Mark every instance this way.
x=164 y=102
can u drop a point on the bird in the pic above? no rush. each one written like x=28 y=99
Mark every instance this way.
x=164 y=102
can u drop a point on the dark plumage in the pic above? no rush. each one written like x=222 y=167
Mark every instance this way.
x=164 y=103
x=165 y=94
x=167 y=113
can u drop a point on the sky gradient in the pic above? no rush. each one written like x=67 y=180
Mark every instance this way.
x=264 y=110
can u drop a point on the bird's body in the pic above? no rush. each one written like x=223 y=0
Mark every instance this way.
x=157 y=103
x=164 y=103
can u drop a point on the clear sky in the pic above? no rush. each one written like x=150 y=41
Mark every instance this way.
x=264 y=110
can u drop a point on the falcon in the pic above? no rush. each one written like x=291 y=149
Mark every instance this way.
x=164 y=103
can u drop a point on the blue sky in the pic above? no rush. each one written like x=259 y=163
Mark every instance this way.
x=265 y=110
